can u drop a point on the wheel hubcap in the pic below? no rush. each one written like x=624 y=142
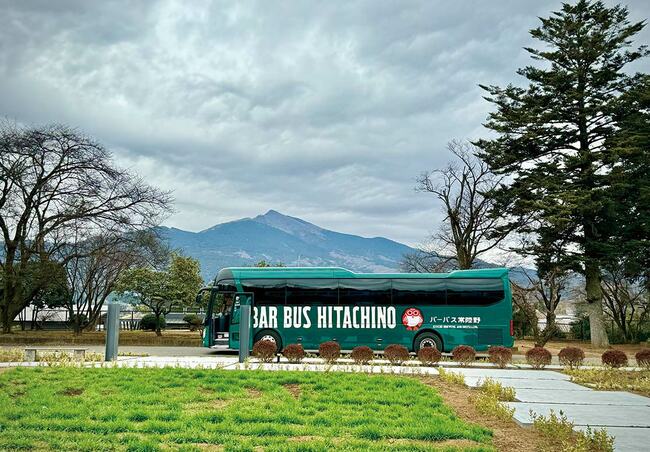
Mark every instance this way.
x=268 y=337
x=427 y=343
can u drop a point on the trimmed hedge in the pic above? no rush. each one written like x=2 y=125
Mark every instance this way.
x=463 y=354
x=538 y=357
x=330 y=351
x=193 y=321
x=264 y=350
x=396 y=354
x=643 y=358
x=614 y=358
x=429 y=356
x=362 y=354
x=294 y=353
x=148 y=322
x=500 y=356
x=571 y=357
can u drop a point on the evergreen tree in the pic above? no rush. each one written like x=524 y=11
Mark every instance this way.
x=553 y=136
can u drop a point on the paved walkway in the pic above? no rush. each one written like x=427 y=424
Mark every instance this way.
x=624 y=415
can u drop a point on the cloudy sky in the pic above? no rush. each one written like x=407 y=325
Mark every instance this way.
x=322 y=110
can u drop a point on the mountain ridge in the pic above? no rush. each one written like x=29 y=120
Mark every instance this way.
x=276 y=238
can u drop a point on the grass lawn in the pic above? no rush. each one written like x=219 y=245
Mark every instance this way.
x=183 y=409
x=614 y=379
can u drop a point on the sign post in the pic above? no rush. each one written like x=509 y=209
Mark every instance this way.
x=112 y=330
x=244 y=327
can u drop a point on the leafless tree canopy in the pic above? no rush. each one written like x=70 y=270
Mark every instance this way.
x=541 y=294
x=626 y=301
x=471 y=225
x=59 y=187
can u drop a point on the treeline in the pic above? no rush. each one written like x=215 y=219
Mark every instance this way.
x=75 y=228
x=564 y=180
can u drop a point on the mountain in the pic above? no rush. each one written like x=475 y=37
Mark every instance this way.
x=275 y=237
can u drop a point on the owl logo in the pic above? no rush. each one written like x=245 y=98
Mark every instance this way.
x=412 y=319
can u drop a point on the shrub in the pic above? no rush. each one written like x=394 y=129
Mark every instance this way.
x=362 y=354
x=264 y=350
x=538 y=357
x=495 y=389
x=429 y=356
x=194 y=322
x=148 y=322
x=451 y=377
x=294 y=353
x=501 y=356
x=488 y=405
x=330 y=351
x=558 y=434
x=614 y=358
x=396 y=354
x=571 y=357
x=463 y=354
x=643 y=358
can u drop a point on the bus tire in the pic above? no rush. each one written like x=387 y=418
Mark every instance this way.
x=428 y=340
x=269 y=335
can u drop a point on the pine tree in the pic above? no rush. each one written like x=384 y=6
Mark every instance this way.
x=553 y=136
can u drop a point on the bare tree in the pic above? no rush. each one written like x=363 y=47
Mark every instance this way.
x=546 y=291
x=97 y=264
x=424 y=260
x=471 y=226
x=625 y=301
x=56 y=186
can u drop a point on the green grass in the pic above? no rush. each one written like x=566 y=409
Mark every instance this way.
x=150 y=409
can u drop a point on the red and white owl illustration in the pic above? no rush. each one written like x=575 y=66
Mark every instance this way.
x=412 y=319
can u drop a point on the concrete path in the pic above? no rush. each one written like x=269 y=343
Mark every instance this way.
x=624 y=415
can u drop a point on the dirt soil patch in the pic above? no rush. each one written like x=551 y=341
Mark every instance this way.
x=508 y=435
x=294 y=390
x=72 y=392
x=254 y=393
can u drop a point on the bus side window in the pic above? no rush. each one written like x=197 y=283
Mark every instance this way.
x=474 y=291
x=356 y=291
x=266 y=291
x=317 y=292
x=418 y=291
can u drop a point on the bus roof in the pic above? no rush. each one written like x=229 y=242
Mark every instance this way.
x=338 y=272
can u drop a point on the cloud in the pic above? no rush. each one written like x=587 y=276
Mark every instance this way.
x=322 y=110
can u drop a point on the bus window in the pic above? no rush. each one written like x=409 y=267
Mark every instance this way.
x=364 y=291
x=227 y=285
x=312 y=292
x=474 y=291
x=414 y=292
x=266 y=291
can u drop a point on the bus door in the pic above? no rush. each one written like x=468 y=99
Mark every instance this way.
x=239 y=299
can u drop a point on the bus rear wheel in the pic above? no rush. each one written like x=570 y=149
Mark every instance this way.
x=428 y=340
x=271 y=336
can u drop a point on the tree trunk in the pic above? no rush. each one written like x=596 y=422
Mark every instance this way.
x=4 y=319
x=595 y=306
x=158 y=329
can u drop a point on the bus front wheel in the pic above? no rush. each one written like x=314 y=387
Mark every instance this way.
x=428 y=340
x=269 y=335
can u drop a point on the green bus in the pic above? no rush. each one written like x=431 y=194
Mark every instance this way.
x=309 y=306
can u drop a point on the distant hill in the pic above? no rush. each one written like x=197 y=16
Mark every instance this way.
x=275 y=237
